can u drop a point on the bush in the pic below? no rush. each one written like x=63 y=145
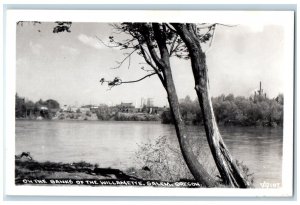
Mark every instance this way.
x=136 y=117
x=61 y=117
x=164 y=159
x=104 y=113
x=166 y=118
x=246 y=172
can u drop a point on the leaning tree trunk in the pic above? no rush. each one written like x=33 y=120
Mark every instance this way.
x=229 y=171
x=163 y=63
x=197 y=170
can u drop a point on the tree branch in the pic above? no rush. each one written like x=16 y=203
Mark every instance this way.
x=210 y=25
x=148 y=61
x=151 y=49
x=118 y=81
x=140 y=37
x=209 y=29
x=161 y=40
x=128 y=55
x=212 y=38
x=213 y=27
x=109 y=46
x=226 y=25
x=172 y=29
x=173 y=44
x=147 y=58
x=144 y=69
x=134 y=81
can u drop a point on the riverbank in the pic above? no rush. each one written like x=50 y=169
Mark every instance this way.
x=29 y=171
x=119 y=116
x=127 y=117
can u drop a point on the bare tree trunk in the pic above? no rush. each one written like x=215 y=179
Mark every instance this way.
x=163 y=63
x=197 y=170
x=229 y=171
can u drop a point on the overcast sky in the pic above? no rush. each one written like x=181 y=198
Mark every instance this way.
x=67 y=67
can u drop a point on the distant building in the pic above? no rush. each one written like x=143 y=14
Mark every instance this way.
x=92 y=108
x=126 y=105
x=153 y=109
x=150 y=102
x=73 y=109
x=42 y=111
x=84 y=109
x=260 y=92
x=65 y=108
x=143 y=102
x=68 y=108
x=43 y=108
x=147 y=102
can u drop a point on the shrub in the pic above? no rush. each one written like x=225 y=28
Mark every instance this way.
x=164 y=159
x=246 y=172
x=88 y=113
x=166 y=118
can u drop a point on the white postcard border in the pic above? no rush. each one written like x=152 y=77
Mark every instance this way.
x=284 y=18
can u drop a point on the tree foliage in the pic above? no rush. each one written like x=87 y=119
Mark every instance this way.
x=230 y=110
x=28 y=109
x=62 y=26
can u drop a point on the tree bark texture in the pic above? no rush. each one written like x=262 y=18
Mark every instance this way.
x=227 y=167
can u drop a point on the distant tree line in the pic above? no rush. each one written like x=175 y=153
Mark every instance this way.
x=31 y=110
x=231 y=110
x=105 y=113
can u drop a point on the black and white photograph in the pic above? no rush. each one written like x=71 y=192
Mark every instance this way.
x=153 y=104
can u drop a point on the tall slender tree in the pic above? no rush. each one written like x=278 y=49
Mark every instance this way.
x=156 y=44
x=226 y=165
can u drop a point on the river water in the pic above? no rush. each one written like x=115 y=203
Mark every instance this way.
x=115 y=144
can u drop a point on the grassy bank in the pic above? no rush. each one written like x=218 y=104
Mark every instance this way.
x=160 y=161
x=29 y=171
x=27 y=168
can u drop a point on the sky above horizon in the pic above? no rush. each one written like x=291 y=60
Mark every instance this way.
x=67 y=67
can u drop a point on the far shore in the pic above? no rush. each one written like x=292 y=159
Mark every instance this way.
x=93 y=117
x=134 y=120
